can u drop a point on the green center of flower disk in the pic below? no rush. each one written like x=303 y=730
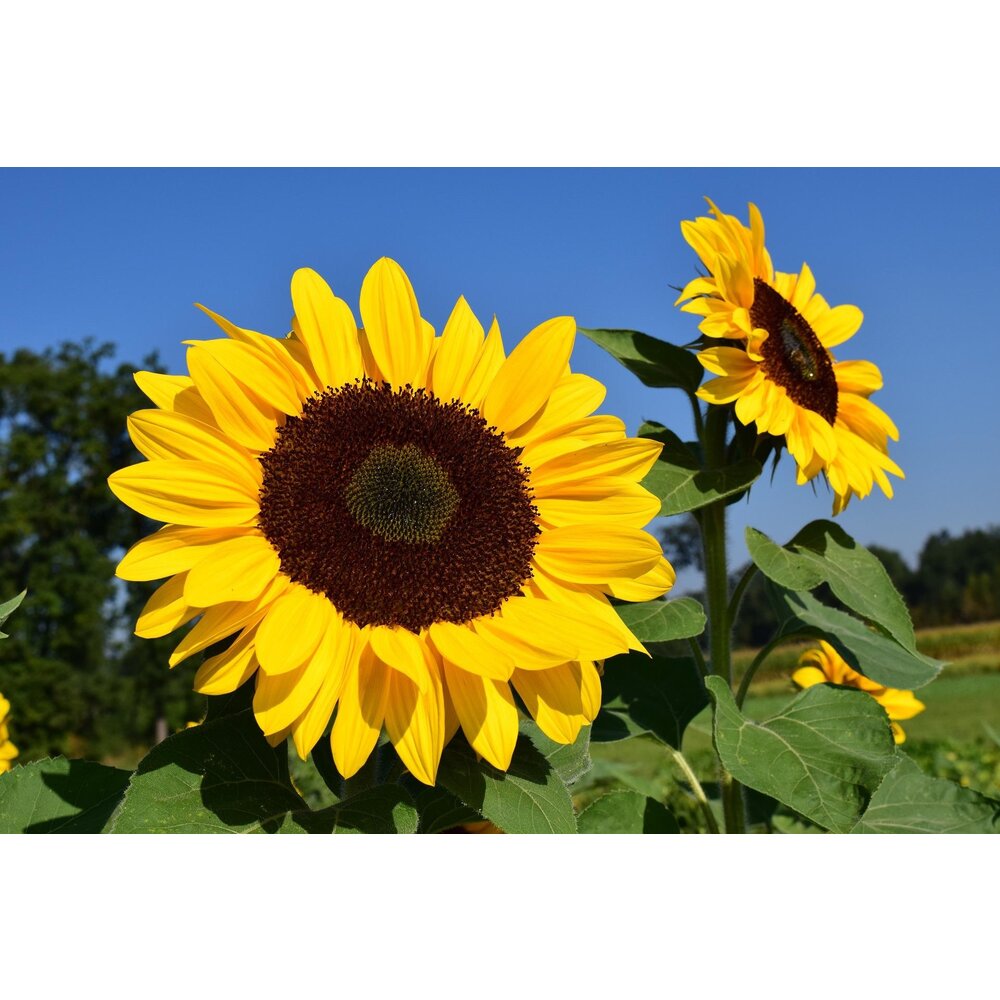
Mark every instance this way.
x=793 y=356
x=402 y=495
x=400 y=508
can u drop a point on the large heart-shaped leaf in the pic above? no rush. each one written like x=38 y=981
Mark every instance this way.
x=528 y=798
x=823 y=754
x=60 y=796
x=625 y=811
x=909 y=801
x=659 y=696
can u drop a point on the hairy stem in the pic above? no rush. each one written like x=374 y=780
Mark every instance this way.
x=699 y=792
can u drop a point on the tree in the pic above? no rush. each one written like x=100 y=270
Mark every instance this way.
x=80 y=682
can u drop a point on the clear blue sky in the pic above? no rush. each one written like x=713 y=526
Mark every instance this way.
x=121 y=255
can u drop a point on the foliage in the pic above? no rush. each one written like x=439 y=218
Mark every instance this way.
x=80 y=683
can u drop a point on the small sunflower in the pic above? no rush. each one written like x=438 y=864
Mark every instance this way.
x=7 y=749
x=824 y=665
x=777 y=364
x=406 y=527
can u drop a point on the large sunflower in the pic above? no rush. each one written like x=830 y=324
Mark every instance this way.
x=824 y=665
x=7 y=749
x=404 y=526
x=777 y=365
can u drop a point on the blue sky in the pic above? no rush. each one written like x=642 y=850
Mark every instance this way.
x=121 y=255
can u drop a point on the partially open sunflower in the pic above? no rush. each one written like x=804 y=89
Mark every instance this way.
x=777 y=364
x=393 y=525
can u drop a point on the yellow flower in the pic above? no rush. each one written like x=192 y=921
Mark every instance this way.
x=7 y=749
x=825 y=666
x=777 y=364
x=404 y=526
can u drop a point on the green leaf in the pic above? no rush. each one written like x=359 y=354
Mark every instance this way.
x=60 y=796
x=786 y=568
x=219 y=777
x=909 y=801
x=381 y=809
x=856 y=577
x=660 y=621
x=823 y=754
x=655 y=362
x=570 y=761
x=528 y=798
x=682 y=485
x=626 y=812
x=438 y=809
x=864 y=650
x=659 y=695
x=7 y=608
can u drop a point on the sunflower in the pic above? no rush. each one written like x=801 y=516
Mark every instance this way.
x=408 y=527
x=7 y=749
x=777 y=365
x=824 y=665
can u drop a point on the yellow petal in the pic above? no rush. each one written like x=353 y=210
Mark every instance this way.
x=280 y=699
x=461 y=344
x=486 y=713
x=327 y=328
x=490 y=359
x=554 y=697
x=631 y=458
x=400 y=649
x=238 y=570
x=808 y=676
x=165 y=610
x=726 y=361
x=339 y=648
x=398 y=339
x=360 y=712
x=549 y=633
x=861 y=377
x=415 y=720
x=174 y=549
x=185 y=492
x=837 y=325
x=526 y=379
x=159 y=434
x=574 y=397
x=723 y=390
x=651 y=585
x=225 y=619
x=224 y=673
x=292 y=630
x=262 y=374
x=239 y=413
x=632 y=509
x=596 y=553
x=463 y=647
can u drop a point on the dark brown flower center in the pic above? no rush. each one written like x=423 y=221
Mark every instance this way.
x=401 y=509
x=793 y=356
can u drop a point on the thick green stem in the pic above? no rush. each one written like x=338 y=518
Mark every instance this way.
x=713 y=535
x=699 y=792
